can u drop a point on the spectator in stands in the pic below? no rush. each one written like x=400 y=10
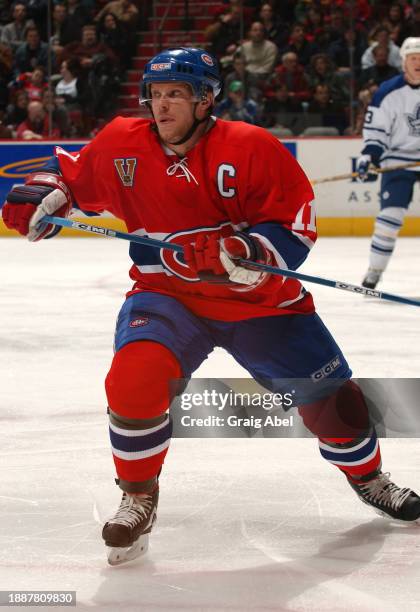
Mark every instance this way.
x=314 y=27
x=321 y=72
x=17 y=110
x=364 y=99
x=6 y=62
x=13 y=33
x=87 y=48
x=340 y=50
x=59 y=114
x=380 y=71
x=112 y=34
x=32 y=82
x=381 y=36
x=280 y=109
x=36 y=125
x=275 y=30
x=323 y=111
x=240 y=73
x=71 y=88
x=411 y=27
x=224 y=32
x=394 y=21
x=72 y=93
x=124 y=10
x=64 y=31
x=335 y=25
x=260 y=54
x=31 y=53
x=78 y=15
x=235 y=107
x=291 y=74
x=5 y=131
x=299 y=45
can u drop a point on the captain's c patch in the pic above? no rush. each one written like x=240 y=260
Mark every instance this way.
x=126 y=168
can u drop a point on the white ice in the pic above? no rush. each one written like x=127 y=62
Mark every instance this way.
x=243 y=524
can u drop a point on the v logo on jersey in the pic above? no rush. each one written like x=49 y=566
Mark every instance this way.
x=126 y=168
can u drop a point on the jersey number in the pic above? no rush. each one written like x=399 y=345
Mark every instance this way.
x=299 y=226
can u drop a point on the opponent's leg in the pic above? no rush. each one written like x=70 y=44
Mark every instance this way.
x=387 y=226
x=396 y=195
x=139 y=392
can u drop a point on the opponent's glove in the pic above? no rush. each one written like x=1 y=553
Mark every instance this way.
x=43 y=193
x=362 y=166
x=214 y=259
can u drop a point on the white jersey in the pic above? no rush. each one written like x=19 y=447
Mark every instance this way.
x=392 y=123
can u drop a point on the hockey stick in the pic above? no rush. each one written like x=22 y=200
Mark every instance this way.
x=350 y=175
x=160 y=244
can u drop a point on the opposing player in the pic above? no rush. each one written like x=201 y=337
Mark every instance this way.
x=222 y=190
x=391 y=135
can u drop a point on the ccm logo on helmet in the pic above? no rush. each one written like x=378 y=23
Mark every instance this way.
x=166 y=66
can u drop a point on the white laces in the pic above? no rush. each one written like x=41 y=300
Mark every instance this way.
x=382 y=490
x=182 y=166
x=132 y=509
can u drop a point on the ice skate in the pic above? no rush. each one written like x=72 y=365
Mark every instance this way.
x=127 y=533
x=371 y=278
x=386 y=498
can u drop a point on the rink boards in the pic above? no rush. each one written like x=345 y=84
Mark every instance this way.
x=344 y=208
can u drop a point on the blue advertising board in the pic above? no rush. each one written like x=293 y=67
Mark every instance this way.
x=17 y=159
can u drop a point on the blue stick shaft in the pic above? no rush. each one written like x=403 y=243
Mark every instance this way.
x=161 y=244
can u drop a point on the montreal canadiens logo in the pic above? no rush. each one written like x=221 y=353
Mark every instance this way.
x=207 y=59
x=174 y=262
x=139 y=322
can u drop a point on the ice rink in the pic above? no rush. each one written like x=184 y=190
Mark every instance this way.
x=261 y=524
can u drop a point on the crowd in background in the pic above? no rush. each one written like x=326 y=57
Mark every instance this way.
x=289 y=64
x=86 y=50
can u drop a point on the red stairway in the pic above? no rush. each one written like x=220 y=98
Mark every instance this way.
x=173 y=34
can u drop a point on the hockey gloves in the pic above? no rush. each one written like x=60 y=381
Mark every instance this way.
x=362 y=166
x=215 y=259
x=42 y=194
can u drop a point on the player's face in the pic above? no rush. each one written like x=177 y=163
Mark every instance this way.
x=173 y=109
x=412 y=68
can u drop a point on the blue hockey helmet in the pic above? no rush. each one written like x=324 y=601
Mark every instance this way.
x=186 y=65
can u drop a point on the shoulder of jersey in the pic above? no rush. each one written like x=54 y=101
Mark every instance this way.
x=386 y=88
x=241 y=134
x=122 y=129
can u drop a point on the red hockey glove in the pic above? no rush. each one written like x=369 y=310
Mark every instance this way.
x=42 y=194
x=213 y=259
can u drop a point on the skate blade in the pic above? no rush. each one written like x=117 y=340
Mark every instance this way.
x=395 y=520
x=117 y=556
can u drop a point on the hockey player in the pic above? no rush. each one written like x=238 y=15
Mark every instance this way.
x=391 y=135
x=223 y=190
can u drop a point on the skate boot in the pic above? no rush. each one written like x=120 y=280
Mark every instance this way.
x=372 y=278
x=386 y=498
x=127 y=533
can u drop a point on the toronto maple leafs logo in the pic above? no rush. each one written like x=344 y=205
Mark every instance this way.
x=413 y=121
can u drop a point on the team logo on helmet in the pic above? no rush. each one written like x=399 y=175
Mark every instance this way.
x=207 y=59
x=159 y=67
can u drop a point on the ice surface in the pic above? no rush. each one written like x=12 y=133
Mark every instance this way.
x=259 y=524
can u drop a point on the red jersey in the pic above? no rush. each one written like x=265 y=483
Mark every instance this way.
x=237 y=177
